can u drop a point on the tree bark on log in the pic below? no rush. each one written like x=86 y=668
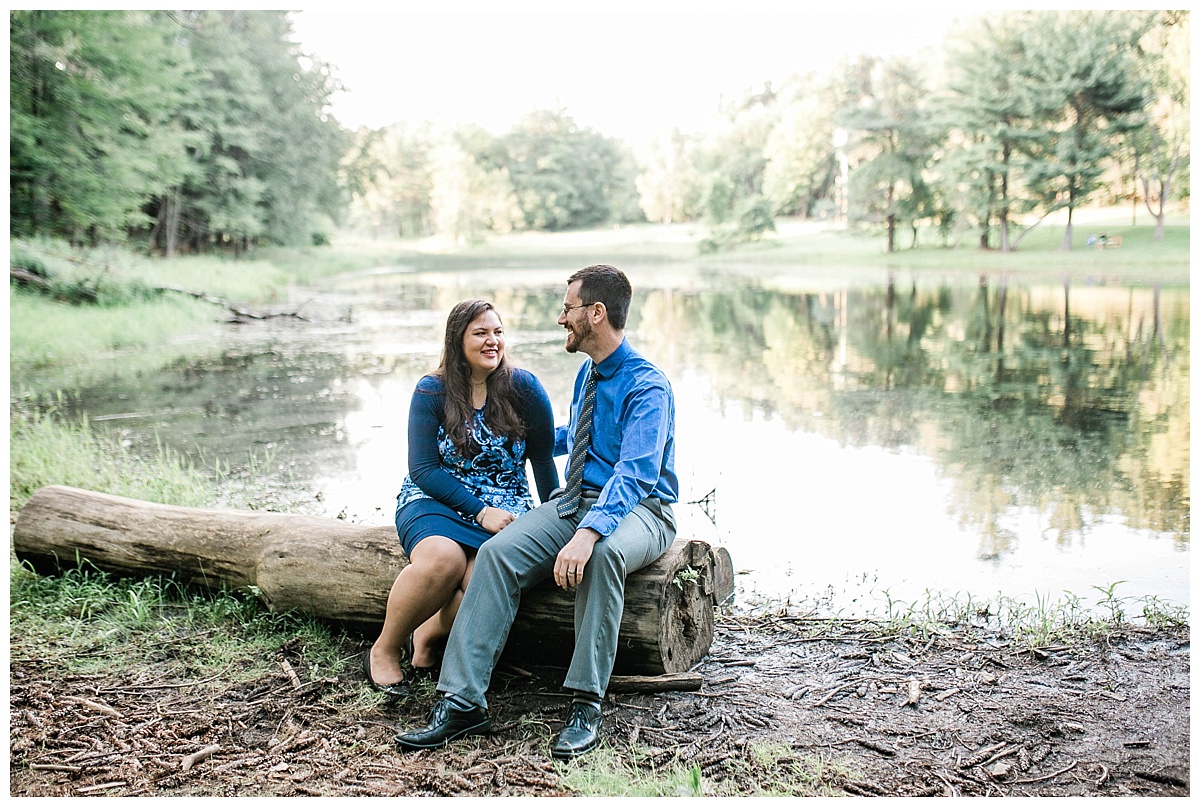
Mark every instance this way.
x=343 y=572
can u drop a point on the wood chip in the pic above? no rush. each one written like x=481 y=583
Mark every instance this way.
x=914 y=692
x=291 y=673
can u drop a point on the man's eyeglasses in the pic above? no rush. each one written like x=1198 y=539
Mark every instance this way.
x=567 y=308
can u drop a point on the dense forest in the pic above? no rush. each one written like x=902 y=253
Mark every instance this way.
x=203 y=130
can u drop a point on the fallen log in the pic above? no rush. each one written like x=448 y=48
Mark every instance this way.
x=233 y=308
x=342 y=572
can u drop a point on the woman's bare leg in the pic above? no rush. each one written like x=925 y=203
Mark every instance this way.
x=438 y=626
x=431 y=579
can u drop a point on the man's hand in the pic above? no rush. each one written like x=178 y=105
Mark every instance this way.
x=568 y=567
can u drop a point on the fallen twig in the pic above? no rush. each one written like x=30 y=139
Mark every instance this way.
x=1048 y=776
x=1007 y=752
x=835 y=691
x=1161 y=778
x=199 y=756
x=95 y=707
x=981 y=755
x=38 y=766
x=105 y=786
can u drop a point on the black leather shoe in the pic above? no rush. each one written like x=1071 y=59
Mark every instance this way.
x=447 y=722
x=580 y=734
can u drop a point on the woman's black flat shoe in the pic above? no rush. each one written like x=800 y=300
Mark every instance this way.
x=426 y=673
x=420 y=673
x=395 y=691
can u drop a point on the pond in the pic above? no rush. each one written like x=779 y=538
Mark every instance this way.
x=855 y=445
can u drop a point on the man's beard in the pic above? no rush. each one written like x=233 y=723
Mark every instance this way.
x=576 y=335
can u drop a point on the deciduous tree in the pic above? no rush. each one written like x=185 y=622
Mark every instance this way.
x=92 y=97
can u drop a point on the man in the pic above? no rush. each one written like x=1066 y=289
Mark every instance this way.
x=613 y=517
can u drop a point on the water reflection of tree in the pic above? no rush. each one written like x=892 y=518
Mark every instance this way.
x=1072 y=403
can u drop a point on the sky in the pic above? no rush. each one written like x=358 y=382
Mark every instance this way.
x=632 y=74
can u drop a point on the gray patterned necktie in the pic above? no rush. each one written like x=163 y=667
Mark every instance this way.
x=568 y=503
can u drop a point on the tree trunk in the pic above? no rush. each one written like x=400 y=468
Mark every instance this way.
x=343 y=572
x=1004 y=245
x=171 y=233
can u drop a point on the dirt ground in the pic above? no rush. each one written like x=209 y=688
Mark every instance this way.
x=845 y=710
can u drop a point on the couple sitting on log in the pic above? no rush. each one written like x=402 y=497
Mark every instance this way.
x=465 y=513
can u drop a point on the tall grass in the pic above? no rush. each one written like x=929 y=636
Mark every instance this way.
x=87 y=621
x=1071 y=619
x=45 y=449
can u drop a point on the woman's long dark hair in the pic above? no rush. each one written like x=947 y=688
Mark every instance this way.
x=501 y=414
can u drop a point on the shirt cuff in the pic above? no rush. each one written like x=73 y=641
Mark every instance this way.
x=600 y=522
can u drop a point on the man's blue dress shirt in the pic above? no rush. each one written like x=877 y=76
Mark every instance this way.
x=632 y=451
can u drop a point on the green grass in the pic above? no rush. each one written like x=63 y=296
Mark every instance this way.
x=760 y=769
x=1039 y=256
x=89 y=622
x=1069 y=620
x=45 y=449
x=258 y=278
x=45 y=334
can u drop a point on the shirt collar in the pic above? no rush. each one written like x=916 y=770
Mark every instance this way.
x=606 y=368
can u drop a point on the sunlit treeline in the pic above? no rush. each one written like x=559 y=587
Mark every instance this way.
x=198 y=129
x=1019 y=115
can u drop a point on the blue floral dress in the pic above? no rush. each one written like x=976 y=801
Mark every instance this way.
x=496 y=475
x=444 y=491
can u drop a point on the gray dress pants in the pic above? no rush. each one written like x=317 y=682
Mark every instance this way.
x=523 y=555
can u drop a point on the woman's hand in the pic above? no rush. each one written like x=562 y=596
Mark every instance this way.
x=494 y=519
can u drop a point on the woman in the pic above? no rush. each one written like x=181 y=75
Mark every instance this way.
x=472 y=425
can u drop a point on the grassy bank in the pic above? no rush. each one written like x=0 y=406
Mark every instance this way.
x=110 y=300
x=128 y=311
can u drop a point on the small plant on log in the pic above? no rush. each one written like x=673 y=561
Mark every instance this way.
x=686 y=575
